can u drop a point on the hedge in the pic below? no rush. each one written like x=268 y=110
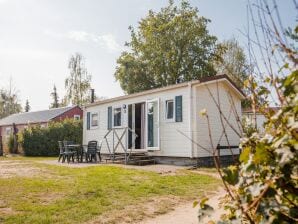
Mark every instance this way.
x=38 y=141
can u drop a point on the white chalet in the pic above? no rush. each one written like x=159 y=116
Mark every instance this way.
x=165 y=122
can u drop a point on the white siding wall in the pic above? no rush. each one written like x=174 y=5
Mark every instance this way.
x=172 y=143
x=203 y=100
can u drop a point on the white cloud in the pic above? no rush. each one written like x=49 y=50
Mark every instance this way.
x=107 y=41
x=81 y=36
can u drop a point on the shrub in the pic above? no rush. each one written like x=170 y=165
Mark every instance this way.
x=10 y=143
x=37 y=141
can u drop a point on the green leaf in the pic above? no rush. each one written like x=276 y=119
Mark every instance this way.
x=195 y=203
x=244 y=156
x=231 y=175
x=203 y=202
x=262 y=154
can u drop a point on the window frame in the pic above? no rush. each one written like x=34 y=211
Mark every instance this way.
x=8 y=131
x=91 y=116
x=77 y=117
x=166 y=110
x=113 y=117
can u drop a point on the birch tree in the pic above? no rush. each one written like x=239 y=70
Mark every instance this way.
x=77 y=84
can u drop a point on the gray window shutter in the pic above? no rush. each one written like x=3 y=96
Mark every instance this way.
x=88 y=120
x=109 y=118
x=178 y=108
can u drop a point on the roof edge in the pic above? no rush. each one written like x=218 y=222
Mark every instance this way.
x=174 y=86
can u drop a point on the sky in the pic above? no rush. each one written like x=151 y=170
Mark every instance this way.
x=37 y=37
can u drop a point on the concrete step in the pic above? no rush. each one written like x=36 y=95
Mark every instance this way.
x=142 y=162
x=140 y=157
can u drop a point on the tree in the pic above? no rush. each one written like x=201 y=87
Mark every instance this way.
x=9 y=101
x=168 y=45
x=233 y=62
x=55 y=97
x=77 y=85
x=27 y=106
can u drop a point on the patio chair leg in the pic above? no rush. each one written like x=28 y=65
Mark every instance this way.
x=63 y=158
x=59 y=157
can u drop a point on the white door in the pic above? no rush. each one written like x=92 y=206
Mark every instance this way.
x=152 y=124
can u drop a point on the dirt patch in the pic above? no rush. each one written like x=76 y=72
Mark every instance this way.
x=4 y=210
x=187 y=214
x=10 y=169
x=165 y=210
x=7 y=211
x=49 y=198
x=136 y=213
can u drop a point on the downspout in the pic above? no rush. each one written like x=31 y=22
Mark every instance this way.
x=84 y=125
x=190 y=126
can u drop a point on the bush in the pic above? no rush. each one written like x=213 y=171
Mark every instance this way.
x=37 y=141
x=10 y=143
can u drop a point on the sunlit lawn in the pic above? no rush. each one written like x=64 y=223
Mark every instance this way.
x=75 y=195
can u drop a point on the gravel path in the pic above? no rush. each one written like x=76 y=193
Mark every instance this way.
x=186 y=214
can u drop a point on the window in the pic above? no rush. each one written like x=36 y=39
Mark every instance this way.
x=117 y=117
x=94 y=120
x=77 y=117
x=8 y=131
x=170 y=110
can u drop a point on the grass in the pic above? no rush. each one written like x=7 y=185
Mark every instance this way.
x=76 y=195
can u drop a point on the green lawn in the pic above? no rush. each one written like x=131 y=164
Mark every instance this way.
x=75 y=195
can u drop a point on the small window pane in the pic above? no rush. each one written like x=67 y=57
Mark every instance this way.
x=117 y=116
x=170 y=109
x=77 y=117
x=94 y=120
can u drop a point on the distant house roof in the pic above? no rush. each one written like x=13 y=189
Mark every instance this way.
x=34 y=117
x=250 y=110
x=179 y=85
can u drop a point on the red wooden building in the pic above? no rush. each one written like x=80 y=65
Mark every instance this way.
x=42 y=118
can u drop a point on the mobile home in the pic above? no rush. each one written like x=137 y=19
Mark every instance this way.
x=165 y=122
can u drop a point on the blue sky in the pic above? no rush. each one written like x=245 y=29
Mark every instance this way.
x=37 y=38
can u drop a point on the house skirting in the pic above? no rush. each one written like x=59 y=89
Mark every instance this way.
x=199 y=162
x=225 y=160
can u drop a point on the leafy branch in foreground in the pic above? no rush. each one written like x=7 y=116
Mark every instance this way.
x=263 y=188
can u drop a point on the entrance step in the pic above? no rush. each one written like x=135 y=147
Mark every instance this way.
x=141 y=162
x=137 y=158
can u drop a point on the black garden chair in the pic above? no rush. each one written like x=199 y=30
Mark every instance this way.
x=61 y=151
x=91 y=151
x=68 y=154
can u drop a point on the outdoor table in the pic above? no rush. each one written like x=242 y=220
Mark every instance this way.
x=77 y=148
